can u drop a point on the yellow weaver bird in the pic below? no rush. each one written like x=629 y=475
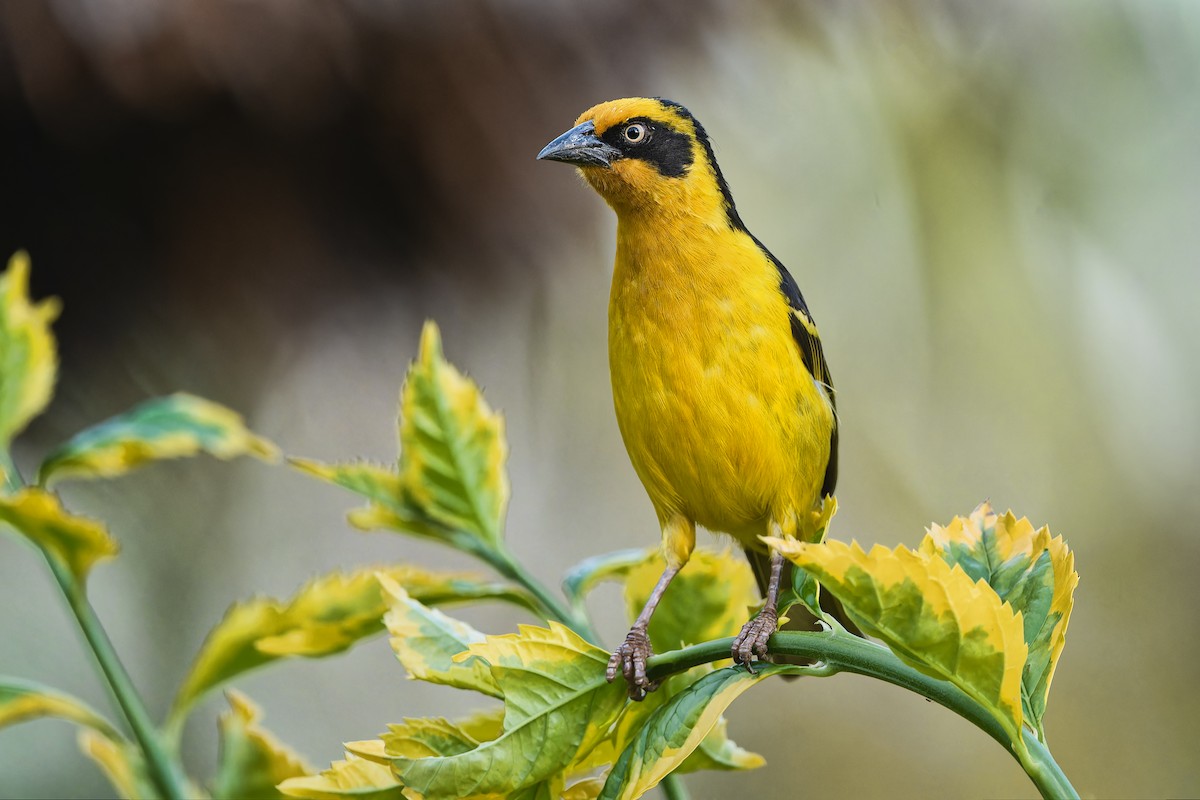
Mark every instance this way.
x=722 y=393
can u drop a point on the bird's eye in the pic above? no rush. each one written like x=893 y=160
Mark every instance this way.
x=635 y=133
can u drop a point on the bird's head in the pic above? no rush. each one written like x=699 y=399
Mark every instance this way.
x=647 y=156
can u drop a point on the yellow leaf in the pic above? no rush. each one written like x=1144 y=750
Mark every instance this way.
x=252 y=761
x=931 y=615
x=28 y=355
x=76 y=543
x=176 y=426
x=354 y=778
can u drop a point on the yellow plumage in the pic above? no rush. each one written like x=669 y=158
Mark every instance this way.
x=722 y=421
x=725 y=423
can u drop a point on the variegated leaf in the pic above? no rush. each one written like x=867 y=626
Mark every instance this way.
x=676 y=729
x=327 y=616
x=933 y=616
x=427 y=643
x=557 y=705
x=452 y=446
x=175 y=426
x=1029 y=570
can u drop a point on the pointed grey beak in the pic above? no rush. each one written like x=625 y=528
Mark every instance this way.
x=580 y=146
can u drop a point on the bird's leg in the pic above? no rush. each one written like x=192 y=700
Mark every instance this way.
x=752 y=641
x=630 y=658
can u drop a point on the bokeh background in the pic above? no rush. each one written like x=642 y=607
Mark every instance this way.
x=993 y=210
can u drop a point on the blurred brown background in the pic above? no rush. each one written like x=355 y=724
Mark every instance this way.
x=992 y=210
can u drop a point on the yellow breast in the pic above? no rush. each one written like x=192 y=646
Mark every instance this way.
x=722 y=421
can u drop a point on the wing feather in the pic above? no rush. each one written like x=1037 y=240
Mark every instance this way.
x=804 y=331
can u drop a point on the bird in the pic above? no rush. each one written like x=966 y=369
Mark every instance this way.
x=720 y=385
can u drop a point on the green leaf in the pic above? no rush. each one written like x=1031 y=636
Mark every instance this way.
x=123 y=765
x=175 y=426
x=21 y=701
x=354 y=777
x=676 y=729
x=933 y=616
x=1029 y=570
x=75 y=542
x=452 y=447
x=252 y=760
x=28 y=355
x=327 y=616
x=709 y=599
x=557 y=706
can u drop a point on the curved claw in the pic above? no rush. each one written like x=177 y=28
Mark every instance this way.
x=752 y=641
x=630 y=660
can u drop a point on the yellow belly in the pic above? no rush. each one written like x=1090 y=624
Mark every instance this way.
x=722 y=421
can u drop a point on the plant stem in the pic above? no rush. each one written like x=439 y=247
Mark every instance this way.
x=674 y=788
x=1041 y=767
x=166 y=773
x=848 y=653
x=552 y=605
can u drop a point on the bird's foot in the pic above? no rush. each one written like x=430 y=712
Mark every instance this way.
x=630 y=661
x=752 y=641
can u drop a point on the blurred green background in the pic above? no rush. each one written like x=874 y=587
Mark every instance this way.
x=993 y=210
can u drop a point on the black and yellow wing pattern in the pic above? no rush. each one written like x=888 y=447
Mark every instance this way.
x=804 y=331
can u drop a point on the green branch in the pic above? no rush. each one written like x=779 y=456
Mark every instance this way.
x=842 y=652
x=673 y=788
x=552 y=606
x=166 y=773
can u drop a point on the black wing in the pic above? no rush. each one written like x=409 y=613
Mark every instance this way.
x=804 y=331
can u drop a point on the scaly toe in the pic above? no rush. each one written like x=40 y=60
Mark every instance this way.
x=630 y=658
x=753 y=639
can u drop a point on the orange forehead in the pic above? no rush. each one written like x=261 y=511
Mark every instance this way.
x=614 y=112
